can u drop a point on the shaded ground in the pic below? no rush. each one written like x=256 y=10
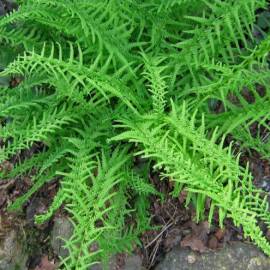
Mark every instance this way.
x=178 y=228
x=173 y=222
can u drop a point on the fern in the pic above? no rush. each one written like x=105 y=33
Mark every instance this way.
x=190 y=159
x=97 y=78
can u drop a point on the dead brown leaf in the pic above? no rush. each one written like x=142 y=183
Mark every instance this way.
x=45 y=264
x=183 y=196
x=194 y=243
x=220 y=234
x=172 y=238
x=268 y=234
x=213 y=242
x=198 y=239
x=201 y=230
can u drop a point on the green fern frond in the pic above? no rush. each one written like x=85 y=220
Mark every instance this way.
x=90 y=209
x=192 y=161
x=70 y=72
x=51 y=121
x=82 y=65
x=157 y=85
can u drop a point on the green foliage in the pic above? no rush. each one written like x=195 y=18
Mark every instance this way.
x=103 y=81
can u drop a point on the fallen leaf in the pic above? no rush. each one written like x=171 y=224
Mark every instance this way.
x=227 y=236
x=45 y=264
x=172 y=238
x=213 y=242
x=201 y=230
x=220 y=234
x=268 y=234
x=194 y=243
x=198 y=239
x=183 y=196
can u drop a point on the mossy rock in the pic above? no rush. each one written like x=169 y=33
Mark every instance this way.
x=12 y=253
x=237 y=256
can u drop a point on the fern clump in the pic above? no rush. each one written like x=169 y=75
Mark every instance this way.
x=103 y=81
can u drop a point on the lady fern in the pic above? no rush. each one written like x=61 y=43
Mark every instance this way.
x=104 y=80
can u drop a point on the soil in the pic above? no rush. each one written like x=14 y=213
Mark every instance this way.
x=174 y=222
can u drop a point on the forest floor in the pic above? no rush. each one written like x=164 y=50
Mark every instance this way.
x=173 y=222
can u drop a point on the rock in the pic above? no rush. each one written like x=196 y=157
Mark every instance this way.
x=62 y=229
x=12 y=254
x=7 y=6
x=37 y=206
x=112 y=265
x=2 y=9
x=133 y=263
x=237 y=256
x=10 y=5
x=173 y=238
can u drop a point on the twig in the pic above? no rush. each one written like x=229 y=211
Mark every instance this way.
x=7 y=185
x=159 y=235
